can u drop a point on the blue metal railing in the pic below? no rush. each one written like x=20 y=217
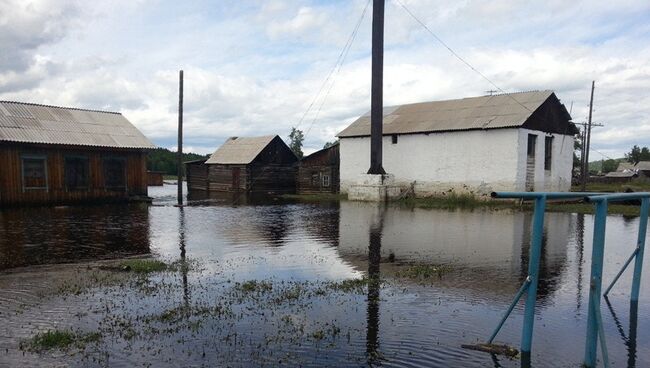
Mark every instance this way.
x=594 y=319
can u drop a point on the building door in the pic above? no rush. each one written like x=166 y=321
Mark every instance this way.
x=530 y=163
x=235 y=179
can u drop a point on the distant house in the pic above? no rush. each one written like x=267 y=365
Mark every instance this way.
x=643 y=168
x=519 y=141
x=55 y=155
x=319 y=172
x=246 y=164
x=625 y=166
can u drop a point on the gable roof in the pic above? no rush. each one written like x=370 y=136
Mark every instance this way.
x=622 y=166
x=32 y=123
x=642 y=165
x=240 y=150
x=485 y=112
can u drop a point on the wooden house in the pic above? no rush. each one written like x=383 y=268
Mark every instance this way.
x=246 y=164
x=155 y=178
x=319 y=172
x=57 y=155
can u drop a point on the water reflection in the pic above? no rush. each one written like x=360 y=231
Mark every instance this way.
x=33 y=236
x=183 y=259
x=374 y=261
x=492 y=248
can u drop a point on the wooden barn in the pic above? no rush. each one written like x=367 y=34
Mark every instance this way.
x=57 y=155
x=319 y=172
x=246 y=164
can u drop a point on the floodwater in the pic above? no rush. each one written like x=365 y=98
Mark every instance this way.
x=295 y=314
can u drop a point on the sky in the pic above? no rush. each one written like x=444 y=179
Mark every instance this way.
x=262 y=67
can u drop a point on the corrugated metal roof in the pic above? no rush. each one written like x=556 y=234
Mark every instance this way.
x=240 y=150
x=621 y=174
x=32 y=123
x=642 y=165
x=484 y=112
x=622 y=166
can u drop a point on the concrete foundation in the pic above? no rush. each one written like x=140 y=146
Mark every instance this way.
x=374 y=188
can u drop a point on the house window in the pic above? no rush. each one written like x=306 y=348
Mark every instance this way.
x=315 y=178
x=548 y=152
x=34 y=172
x=326 y=180
x=115 y=173
x=76 y=172
x=394 y=138
x=532 y=140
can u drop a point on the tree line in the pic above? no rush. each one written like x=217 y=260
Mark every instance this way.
x=164 y=160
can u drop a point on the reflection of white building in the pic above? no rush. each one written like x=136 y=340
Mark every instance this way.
x=495 y=241
x=520 y=141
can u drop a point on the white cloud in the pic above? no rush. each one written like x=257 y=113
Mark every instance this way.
x=253 y=68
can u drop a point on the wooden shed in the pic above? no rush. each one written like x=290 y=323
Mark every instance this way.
x=319 y=172
x=58 y=155
x=246 y=164
x=155 y=178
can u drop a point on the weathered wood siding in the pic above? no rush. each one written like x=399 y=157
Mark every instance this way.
x=11 y=177
x=154 y=179
x=272 y=171
x=197 y=175
x=315 y=168
x=228 y=178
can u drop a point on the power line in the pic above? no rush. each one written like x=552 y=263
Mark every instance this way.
x=337 y=66
x=458 y=56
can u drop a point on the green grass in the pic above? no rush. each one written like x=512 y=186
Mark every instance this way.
x=58 y=339
x=143 y=265
x=423 y=271
x=455 y=201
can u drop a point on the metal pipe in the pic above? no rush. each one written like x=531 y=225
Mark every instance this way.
x=617 y=197
x=597 y=257
x=521 y=291
x=595 y=305
x=548 y=195
x=627 y=263
x=638 y=263
x=534 y=255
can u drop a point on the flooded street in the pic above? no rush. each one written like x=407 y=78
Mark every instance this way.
x=305 y=284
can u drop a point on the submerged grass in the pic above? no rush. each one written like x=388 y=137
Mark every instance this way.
x=58 y=339
x=423 y=271
x=468 y=201
x=143 y=265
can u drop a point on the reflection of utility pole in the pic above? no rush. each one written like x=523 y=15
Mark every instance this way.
x=585 y=175
x=374 y=283
x=183 y=261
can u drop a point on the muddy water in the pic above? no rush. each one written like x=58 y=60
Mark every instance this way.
x=300 y=250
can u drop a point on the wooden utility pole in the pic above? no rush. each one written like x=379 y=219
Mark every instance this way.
x=179 y=160
x=376 y=99
x=585 y=176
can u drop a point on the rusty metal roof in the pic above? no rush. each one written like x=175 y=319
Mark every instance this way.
x=484 y=112
x=33 y=123
x=240 y=150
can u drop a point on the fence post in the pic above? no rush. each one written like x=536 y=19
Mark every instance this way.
x=534 y=255
x=591 y=346
x=638 y=262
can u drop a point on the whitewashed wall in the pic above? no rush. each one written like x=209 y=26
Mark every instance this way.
x=559 y=177
x=478 y=161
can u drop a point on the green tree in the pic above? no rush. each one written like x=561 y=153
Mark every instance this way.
x=609 y=166
x=296 y=137
x=638 y=154
x=330 y=144
x=164 y=160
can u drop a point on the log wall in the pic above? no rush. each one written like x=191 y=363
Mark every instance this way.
x=11 y=175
